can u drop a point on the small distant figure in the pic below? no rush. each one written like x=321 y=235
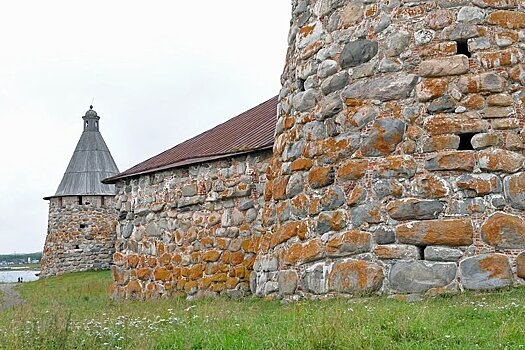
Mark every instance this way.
x=20 y=280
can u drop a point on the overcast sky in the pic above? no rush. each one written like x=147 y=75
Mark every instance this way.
x=160 y=72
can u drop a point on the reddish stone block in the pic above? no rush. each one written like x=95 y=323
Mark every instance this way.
x=520 y=262
x=144 y=274
x=500 y=160
x=348 y=243
x=455 y=124
x=211 y=255
x=451 y=232
x=287 y=231
x=355 y=277
x=504 y=231
x=161 y=274
x=352 y=169
x=507 y=19
x=320 y=177
x=300 y=253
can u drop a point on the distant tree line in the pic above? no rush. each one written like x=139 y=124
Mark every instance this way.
x=20 y=258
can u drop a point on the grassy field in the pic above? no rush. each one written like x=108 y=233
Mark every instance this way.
x=74 y=312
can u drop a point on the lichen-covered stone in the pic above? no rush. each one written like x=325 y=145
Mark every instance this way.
x=452 y=160
x=453 y=65
x=420 y=276
x=357 y=52
x=348 y=243
x=520 y=263
x=514 y=186
x=436 y=253
x=396 y=252
x=484 y=272
x=385 y=136
x=355 y=277
x=414 y=209
x=383 y=89
x=446 y=124
x=479 y=184
x=504 y=231
x=81 y=237
x=451 y=232
x=500 y=160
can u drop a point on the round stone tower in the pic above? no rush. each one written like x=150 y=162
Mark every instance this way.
x=82 y=218
x=398 y=159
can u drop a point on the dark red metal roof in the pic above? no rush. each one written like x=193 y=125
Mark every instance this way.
x=250 y=131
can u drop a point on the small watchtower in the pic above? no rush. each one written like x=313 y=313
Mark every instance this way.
x=82 y=218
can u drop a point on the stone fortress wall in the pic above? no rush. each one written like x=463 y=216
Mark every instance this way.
x=397 y=166
x=80 y=237
x=192 y=230
x=398 y=159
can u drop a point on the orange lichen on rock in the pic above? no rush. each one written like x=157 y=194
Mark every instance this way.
x=451 y=232
x=355 y=277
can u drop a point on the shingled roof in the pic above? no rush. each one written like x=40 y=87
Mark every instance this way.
x=90 y=164
x=250 y=131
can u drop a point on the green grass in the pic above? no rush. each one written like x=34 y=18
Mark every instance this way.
x=74 y=312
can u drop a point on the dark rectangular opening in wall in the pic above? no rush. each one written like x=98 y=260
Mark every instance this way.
x=82 y=226
x=465 y=142
x=300 y=84
x=79 y=200
x=462 y=48
x=102 y=201
x=60 y=203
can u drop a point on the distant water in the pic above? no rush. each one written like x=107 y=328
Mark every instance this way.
x=12 y=276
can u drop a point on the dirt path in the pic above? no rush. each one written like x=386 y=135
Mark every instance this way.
x=9 y=296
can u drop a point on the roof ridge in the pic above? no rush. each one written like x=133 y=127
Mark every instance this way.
x=251 y=129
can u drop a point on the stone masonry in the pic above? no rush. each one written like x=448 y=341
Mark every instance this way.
x=397 y=167
x=398 y=157
x=192 y=230
x=80 y=237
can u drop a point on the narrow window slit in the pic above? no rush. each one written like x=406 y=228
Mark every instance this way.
x=462 y=48
x=465 y=142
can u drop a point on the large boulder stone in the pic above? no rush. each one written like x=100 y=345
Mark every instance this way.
x=385 y=136
x=313 y=280
x=511 y=19
x=445 y=66
x=450 y=232
x=504 y=231
x=300 y=253
x=433 y=253
x=500 y=160
x=383 y=88
x=287 y=282
x=452 y=160
x=442 y=124
x=485 y=82
x=355 y=277
x=348 y=243
x=520 y=265
x=479 y=184
x=396 y=167
x=420 y=276
x=487 y=271
x=414 y=209
x=358 y=52
x=397 y=251
x=514 y=187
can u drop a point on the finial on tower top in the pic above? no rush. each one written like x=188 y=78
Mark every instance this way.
x=90 y=106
